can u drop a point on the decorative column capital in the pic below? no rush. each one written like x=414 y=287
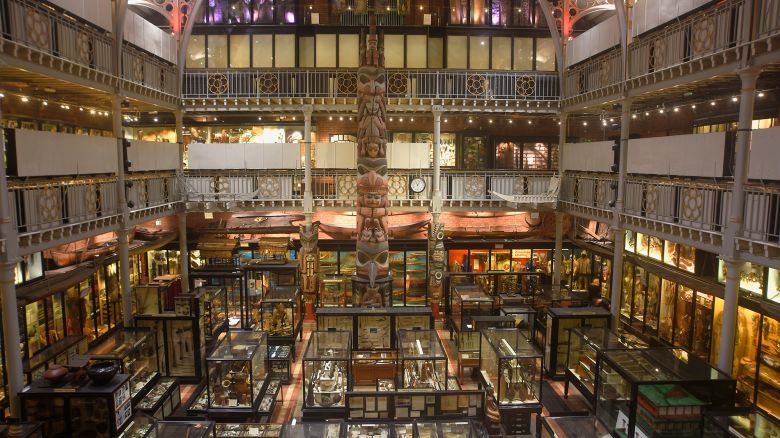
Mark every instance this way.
x=437 y=110
x=307 y=111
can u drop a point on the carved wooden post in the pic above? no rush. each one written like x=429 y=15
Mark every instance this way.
x=372 y=284
x=436 y=266
x=309 y=261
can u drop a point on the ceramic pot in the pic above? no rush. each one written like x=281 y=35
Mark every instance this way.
x=102 y=372
x=55 y=373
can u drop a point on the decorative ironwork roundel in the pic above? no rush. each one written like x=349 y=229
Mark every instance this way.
x=346 y=83
x=91 y=199
x=268 y=187
x=604 y=71
x=220 y=185
x=267 y=83
x=38 y=29
x=397 y=84
x=658 y=53
x=217 y=83
x=692 y=204
x=474 y=186
x=601 y=192
x=525 y=85
x=347 y=186
x=476 y=84
x=84 y=47
x=703 y=35
x=650 y=203
x=397 y=185
x=49 y=205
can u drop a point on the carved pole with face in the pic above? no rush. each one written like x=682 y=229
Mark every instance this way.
x=309 y=260
x=372 y=223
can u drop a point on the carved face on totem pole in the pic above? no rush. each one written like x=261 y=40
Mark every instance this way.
x=436 y=257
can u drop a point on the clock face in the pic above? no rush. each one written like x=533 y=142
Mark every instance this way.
x=417 y=185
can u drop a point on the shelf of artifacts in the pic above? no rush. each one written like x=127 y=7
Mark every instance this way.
x=511 y=372
x=280 y=363
x=78 y=407
x=236 y=375
x=135 y=351
x=215 y=310
x=163 y=399
x=415 y=404
x=585 y=348
x=374 y=329
x=21 y=430
x=181 y=339
x=658 y=392
x=741 y=423
x=199 y=402
x=230 y=277
x=468 y=340
x=333 y=291
x=262 y=276
x=524 y=316
x=280 y=315
x=586 y=426
x=558 y=322
x=326 y=374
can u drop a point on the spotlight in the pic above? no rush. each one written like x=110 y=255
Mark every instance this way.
x=611 y=120
x=156 y=119
x=530 y=122
x=676 y=109
x=734 y=99
x=331 y=118
x=260 y=118
x=445 y=120
x=92 y=111
x=45 y=103
x=647 y=113
x=584 y=123
x=341 y=119
x=712 y=103
x=25 y=99
x=471 y=120
x=604 y=123
x=661 y=111
x=411 y=119
x=633 y=116
x=761 y=94
x=490 y=121
x=693 y=106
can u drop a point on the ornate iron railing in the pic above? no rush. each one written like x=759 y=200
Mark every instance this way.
x=436 y=84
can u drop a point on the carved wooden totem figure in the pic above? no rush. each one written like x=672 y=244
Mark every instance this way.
x=309 y=260
x=436 y=264
x=373 y=266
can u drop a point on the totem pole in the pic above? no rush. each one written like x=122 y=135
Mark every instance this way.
x=372 y=284
x=309 y=262
x=436 y=265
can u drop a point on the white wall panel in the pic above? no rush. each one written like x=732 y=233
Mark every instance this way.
x=595 y=40
x=97 y=12
x=243 y=156
x=765 y=154
x=40 y=153
x=682 y=155
x=151 y=155
x=335 y=155
x=149 y=37
x=588 y=157
x=408 y=156
x=649 y=14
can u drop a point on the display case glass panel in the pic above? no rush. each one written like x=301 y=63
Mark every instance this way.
x=310 y=430
x=511 y=366
x=744 y=366
x=374 y=332
x=247 y=430
x=769 y=367
x=365 y=430
x=136 y=353
x=333 y=291
x=572 y=426
x=559 y=321
x=683 y=317
x=215 y=309
x=423 y=360
x=626 y=296
x=753 y=424
x=329 y=263
x=671 y=249
x=652 y=303
x=639 y=297
x=500 y=260
x=187 y=429
x=656 y=248
x=524 y=318
x=457 y=259
x=470 y=300
x=237 y=370
x=773 y=285
x=686 y=259
x=631 y=239
x=702 y=325
x=140 y=426
x=326 y=370
x=666 y=313
x=642 y=244
x=416 y=280
x=181 y=345
x=474 y=152
x=281 y=311
x=397 y=267
x=480 y=260
x=751 y=276
x=658 y=392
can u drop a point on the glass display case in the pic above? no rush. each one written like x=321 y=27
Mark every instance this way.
x=309 y=430
x=181 y=344
x=572 y=426
x=157 y=295
x=74 y=409
x=279 y=362
x=326 y=377
x=215 y=310
x=186 y=429
x=368 y=367
x=447 y=429
x=658 y=392
x=135 y=351
x=374 y=328
x=247 y=430
x=367 y=430
x=162 y=400
x=281 y=315
x=559 y=321
x=510 y=367
x=423 y=360
x=261 y=277
x=752 y=424
x=21 y=430
x=524 y=318
x=236 y=372
x=585 y=348
x=140 y=426
x=333 y=292
x=231 y=278
x=467 y=300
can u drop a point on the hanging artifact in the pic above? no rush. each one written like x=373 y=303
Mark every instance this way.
x=372 y=280
x=309 y=260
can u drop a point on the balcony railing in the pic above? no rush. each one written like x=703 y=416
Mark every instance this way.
x=42 y=28
x=341 y=185
x=769 y=18
x=694 y=37
x=433 y=84
x=45 y=204
x=696 y=205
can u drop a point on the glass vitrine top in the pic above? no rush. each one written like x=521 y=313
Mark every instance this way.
x=239 y=345
x=415 y=344
x=189 y=429
x=603 y=339
x=281 y=293
x=208 y=293
x=309 y=430
x=123 y=341
x=331 y=345
x=663 y=365
x=509 y=343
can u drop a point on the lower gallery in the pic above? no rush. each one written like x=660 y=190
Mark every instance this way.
x=372 y=218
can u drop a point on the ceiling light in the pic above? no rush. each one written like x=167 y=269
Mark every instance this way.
x=490 y=121
x=350 y=119
x=411 y=119
x=584 y=123
x=2 y=95
x=310 y=7
x=391 y=119
x=156 y=119
x=482 y=43
x=512 y=121
x=712 y=103
x=92 y=111
x=604 y=123
x=330 y=117
x=260 y=118
x=761 y=94
x=421 y=8
x=693 y=106
x=445 y=120
x=530 y=122
x=400 y=119
x=471 y=120
x=25 y=99
x=734 y=99
x=633 y=116
x=45 y=103
x=559 y=123
x=611 y=120
x=81 y=109
x=647 y=113
x=341 y=119
x=676 y=109
x=661 y=110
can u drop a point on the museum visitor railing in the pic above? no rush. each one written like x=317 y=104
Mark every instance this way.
x=341 y=184
x=42 y=28
x=701 y=35
x=45 y=203
x=408 y=83
x=696 y=204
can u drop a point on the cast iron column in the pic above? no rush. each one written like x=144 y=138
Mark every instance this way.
x=308 y=197
x=184 y=254
x=558 y=254
x=122 y=233
x=620 y=233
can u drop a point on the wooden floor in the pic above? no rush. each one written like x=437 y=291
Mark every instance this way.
x=290 y=400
